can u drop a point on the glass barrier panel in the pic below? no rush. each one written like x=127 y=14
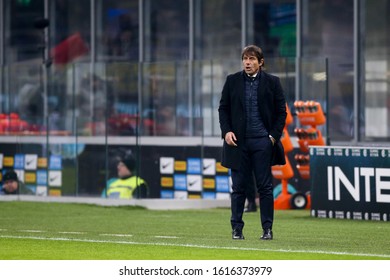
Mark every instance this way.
x=162 y=115
x=122 y=99
x=25 y=97
x=164 y=99
x=314 y=86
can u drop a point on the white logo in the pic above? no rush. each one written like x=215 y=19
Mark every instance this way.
x=41 y=191
x=209 y=166
x=167 y=165
x=31 y=162
x=194 y=183
x=55 y=178
x=180 y=195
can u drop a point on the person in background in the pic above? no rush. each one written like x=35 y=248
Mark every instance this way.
x=127 y=184
x=12 y=185
x=252 y=115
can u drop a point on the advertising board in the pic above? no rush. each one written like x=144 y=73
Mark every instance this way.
x=350 y=182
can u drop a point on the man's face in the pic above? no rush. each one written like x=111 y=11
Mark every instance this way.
x=251 y=64
x=123 y=171
x=10 y=186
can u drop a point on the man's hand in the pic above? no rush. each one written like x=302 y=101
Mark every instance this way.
x=272 y=140
x=231 y=139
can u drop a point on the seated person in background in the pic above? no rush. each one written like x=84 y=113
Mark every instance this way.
x=127 y=185
x=12 y=185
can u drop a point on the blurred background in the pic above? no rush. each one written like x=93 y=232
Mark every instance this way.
x=82 y=82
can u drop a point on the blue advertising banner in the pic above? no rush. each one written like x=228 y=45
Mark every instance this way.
x=350 y=182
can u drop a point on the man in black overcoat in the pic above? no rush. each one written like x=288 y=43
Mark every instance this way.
x=252 y=115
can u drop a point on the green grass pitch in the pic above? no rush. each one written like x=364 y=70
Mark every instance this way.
x=61 y=231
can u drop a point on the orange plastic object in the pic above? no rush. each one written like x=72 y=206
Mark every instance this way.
x=286 y=141
x=289 y=118
x=309 y=113
x=304 y=171
x=308 y=206
x=282 y=202
x=307 y=137
x=283 y=171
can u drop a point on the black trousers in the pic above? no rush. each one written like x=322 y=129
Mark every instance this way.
x=257 y=156
x=251 y=191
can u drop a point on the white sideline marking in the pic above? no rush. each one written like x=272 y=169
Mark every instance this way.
x=167 y=237
x=71 y=232
x=195 y=246
x=30 y=230
x=117 y=235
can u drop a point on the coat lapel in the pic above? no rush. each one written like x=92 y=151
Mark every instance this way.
x=261 y=88
x=241 y=86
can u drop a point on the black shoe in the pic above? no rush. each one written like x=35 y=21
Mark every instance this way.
x=267 y=234
x=251 y=207
x=237 y=234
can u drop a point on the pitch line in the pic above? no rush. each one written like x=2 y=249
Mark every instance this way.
x=71 y=232
x=166 y=237
x=116 y=235
x=195 y=246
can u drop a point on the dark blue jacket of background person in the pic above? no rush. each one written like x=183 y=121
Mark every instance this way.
x=272 y=108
